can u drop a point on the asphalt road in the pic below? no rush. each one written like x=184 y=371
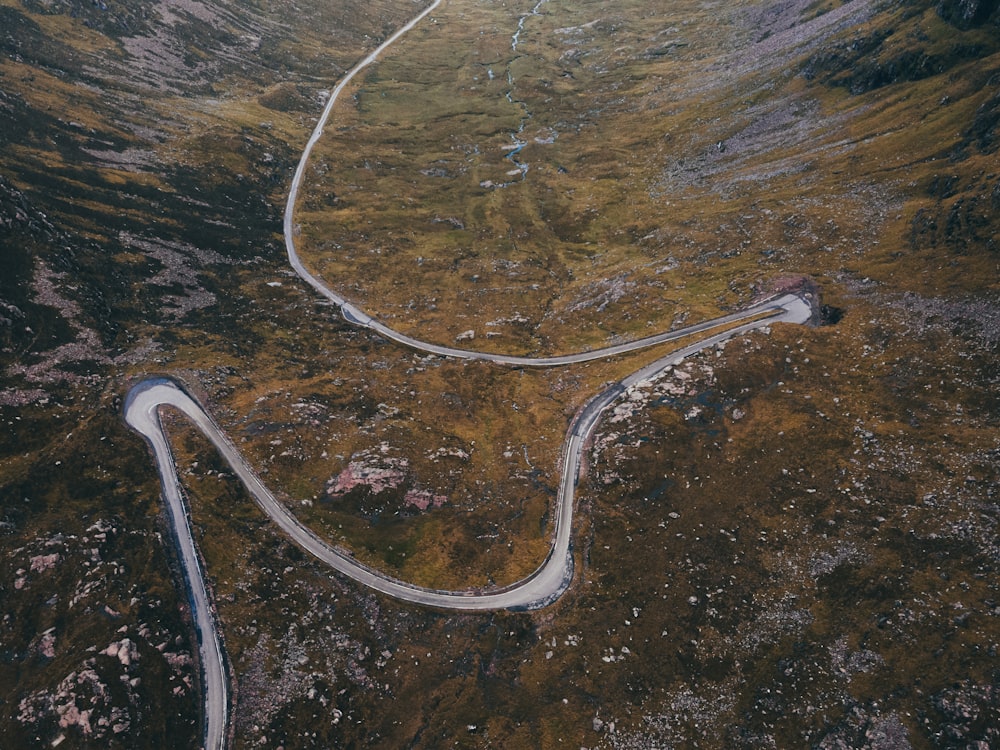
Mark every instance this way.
x=355 y=315
x=542 y=587
x=538 y=589
x=142 y=414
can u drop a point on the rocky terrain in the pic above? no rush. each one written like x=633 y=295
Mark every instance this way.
x=787 y=541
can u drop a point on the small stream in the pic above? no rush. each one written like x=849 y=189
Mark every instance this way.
x=517 y=144
x=520 y=24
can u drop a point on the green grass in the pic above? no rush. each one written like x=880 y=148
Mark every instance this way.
x=814 y=179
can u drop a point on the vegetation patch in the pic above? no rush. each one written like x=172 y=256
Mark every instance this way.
x=788 y=540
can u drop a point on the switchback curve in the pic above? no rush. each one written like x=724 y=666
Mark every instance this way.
x=550 y=579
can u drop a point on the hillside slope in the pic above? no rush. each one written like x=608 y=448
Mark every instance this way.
x=787 y=542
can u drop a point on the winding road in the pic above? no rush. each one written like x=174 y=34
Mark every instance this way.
x=542 y=587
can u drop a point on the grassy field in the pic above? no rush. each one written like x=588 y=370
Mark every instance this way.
x=788 y=542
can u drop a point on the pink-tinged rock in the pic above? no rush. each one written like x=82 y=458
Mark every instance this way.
x=18 y=584
x=423 y=499
x=47 y=645
x=125 y=650
x=70 y=715
x=376 y=478
x=127 y=653
x=177 y=661
x=40 y=563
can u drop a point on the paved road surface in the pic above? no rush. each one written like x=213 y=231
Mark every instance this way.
x=142 y=414
x=540 y=588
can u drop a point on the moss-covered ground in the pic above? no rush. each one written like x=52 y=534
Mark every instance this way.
x=789 y=542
